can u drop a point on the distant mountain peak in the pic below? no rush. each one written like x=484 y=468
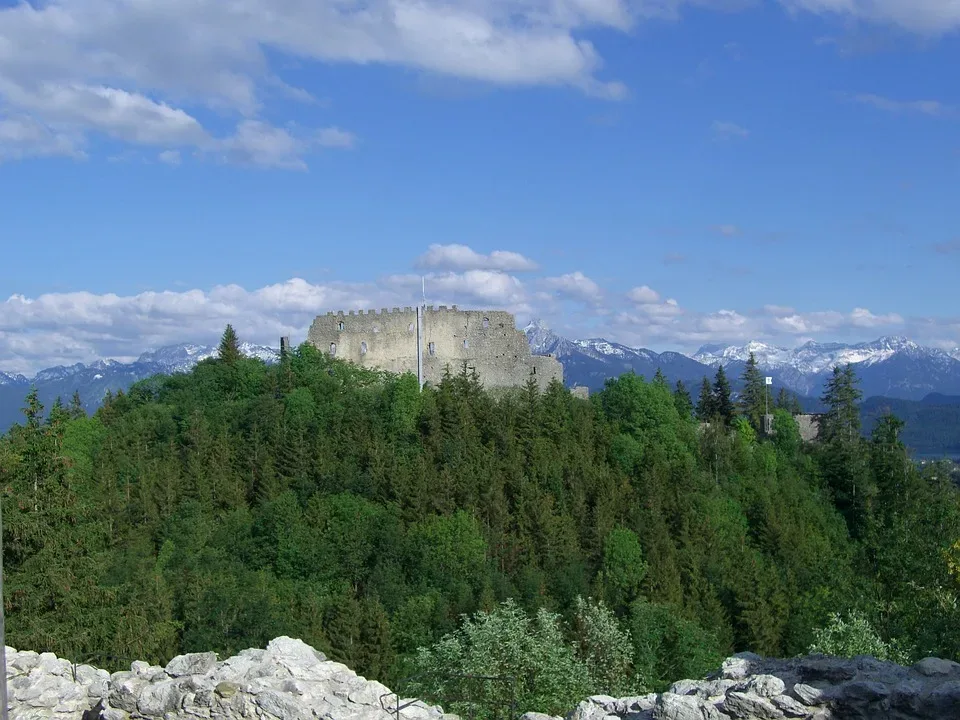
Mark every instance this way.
x=12 y=379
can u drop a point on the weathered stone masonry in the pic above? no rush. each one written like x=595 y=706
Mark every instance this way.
x=486 y=340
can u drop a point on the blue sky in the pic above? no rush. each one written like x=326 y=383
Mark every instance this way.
x=663 y=173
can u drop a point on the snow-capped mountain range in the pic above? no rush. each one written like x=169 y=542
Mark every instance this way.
x=890 y=366
x=94 y=380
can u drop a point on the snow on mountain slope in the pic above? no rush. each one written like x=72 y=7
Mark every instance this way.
x=10 y=379
x=814 y=358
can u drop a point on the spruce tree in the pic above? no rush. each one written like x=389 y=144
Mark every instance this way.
x=723 y=405
x=229 y=346
x=76 y=406
x=752 y=401
x=841 y=421
x=783 y=400
x=706 y=407
x=683 y=401
x=659 y=378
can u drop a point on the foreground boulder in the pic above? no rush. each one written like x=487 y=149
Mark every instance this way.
x=288 y=680
x=814 y=687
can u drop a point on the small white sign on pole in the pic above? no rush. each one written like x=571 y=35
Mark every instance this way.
x=769 y=380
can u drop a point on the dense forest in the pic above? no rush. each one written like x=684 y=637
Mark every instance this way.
x=218 y=509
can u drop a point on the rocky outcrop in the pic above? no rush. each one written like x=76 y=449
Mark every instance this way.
x=289 y=680
x=814 y=687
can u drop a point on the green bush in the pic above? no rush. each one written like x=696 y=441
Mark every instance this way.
x=855 y=636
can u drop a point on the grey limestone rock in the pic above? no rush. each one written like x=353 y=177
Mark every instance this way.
x=749 y=706
x=290 y=680
x=684 y=707
x=790 y=707
x=537 y=716
x=936 y=666
x=810 y=695
x=192 y=664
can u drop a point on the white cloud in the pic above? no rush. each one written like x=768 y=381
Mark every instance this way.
x=462 y=257
x=146 y=72
x=861 y=317
x=25 y=137
x=334 y=137
x=728 y=131
x=726 y=230
x=923 y=107
x=170 y=157
x=574 y=285
x=62 y=328
x=929 y=17
x=644 y=295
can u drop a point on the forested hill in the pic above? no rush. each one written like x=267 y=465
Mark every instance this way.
x=219 y=509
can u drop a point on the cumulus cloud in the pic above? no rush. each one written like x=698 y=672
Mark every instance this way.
x=146 y=71
x=461 y=257
x=576 y=286
x=63 y=328
x=644 y=295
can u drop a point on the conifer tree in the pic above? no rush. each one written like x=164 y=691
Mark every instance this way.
x=783 y=400
x=659 y=378
x=706 y=407
x=753 y=400
x=229 y=346
x=76 y=406
x=723 y=405
x=681 y=397
x=842 y=419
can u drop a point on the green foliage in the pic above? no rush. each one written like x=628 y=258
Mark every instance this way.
x=722 y=402
x=668 y=647
x=753 y=400
x=217 y=509
x=506 y=642
x=623 y=569
x=854 y=636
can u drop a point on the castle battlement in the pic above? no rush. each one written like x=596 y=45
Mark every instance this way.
x=486 y=340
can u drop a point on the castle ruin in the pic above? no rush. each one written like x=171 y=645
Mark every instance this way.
x=426 y=341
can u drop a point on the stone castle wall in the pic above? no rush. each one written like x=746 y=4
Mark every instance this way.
x=486 y=340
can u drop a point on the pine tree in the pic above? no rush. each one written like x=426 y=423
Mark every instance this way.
x=842 y=419
x=753 y=400
x=723 y=405
x=76 y=406
x=684 y=403
x=706 y=406
x=659 y=378
x=229 y=346
x=783 y=400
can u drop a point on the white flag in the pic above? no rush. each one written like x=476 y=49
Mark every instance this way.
x=769 y=380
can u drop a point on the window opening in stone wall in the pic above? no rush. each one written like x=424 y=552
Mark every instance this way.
x=466 y=343
x=534 y=371
x=333 y=348
x=339 y=326
x=486 y=323
x=363 y=348
x=432 y=348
